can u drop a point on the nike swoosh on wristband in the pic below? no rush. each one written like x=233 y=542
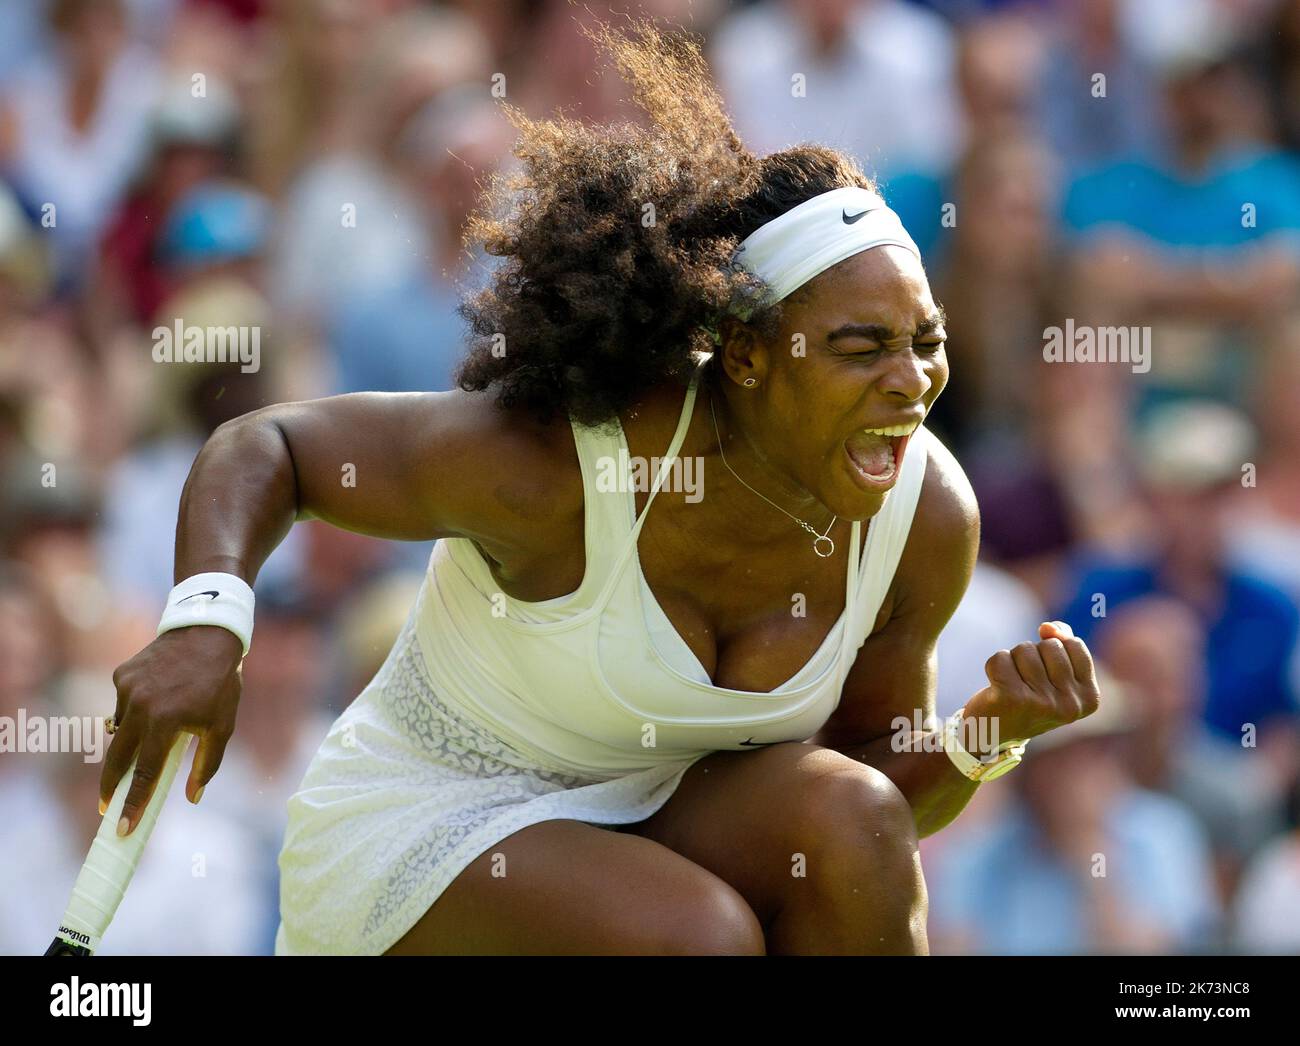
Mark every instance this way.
x=856 y=217
x=751 y=743
x=213 y=594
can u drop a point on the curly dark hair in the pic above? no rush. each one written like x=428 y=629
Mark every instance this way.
x=617 y=239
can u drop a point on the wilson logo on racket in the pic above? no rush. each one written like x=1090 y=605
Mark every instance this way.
x=80 y=938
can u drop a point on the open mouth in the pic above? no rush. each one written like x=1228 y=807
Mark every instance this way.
x=876 y=455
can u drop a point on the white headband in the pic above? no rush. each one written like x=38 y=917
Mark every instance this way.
x=806 y=240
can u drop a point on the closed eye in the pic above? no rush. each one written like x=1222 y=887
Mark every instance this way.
x=927 y=347
x=860 y=354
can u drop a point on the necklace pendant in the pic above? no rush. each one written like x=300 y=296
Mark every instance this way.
x=828 y=547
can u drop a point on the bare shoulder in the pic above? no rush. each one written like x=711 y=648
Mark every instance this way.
x=943 y=543
x=517 y=467
x=947 y=511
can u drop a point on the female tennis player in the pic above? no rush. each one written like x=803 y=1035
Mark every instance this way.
x=626 y=720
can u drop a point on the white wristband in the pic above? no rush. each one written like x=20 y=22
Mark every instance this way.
x=217 y=599
x=1003 y=759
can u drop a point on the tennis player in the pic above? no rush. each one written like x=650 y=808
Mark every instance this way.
x=619 y=719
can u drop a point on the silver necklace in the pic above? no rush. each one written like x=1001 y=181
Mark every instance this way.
x=823 y=545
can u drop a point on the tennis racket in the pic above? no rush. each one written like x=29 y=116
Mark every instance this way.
x=107 y=872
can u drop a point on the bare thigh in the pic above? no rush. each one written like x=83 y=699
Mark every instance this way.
x=753 y=818
x=563 y=887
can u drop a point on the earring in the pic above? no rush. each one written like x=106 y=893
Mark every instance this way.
x=750 y=382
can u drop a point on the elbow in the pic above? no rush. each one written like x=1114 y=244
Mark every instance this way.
x=241 y=424
x=294 y=486
x=258 y=443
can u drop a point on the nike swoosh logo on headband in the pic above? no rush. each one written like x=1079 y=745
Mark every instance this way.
x=856 y=217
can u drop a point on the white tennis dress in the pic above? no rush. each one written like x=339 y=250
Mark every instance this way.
x=491 y=714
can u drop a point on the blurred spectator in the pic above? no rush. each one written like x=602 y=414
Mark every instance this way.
x=1279 y=48
x=789 y=68
x=31 y=655
x=216 y=228
x=507 y=27
x=997 y=62
x=1145 y=247
x=50 y=523
x=407 y=336
x=1191 y=457
x=51 y=410
x=348 y=225
x=995 y=281
x=1155 y=646
x=1082 y=862
x=1097 y=101
x=153 y=21
x=193 y=141
x=303 y=104
x=1267 y=917
x=239 y=10
x=24 y=38
x=77 y=125
x=1264 y=536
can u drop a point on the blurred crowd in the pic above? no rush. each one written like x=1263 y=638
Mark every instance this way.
x=303 y=168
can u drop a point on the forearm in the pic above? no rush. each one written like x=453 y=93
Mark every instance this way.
x=239 y=501
x=924 y=774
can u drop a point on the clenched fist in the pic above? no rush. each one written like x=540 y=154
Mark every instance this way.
x=1036 y=687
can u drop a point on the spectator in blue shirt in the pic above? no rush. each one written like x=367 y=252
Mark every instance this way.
x=1207 y=229
x=1191 y=457
x=406 y=335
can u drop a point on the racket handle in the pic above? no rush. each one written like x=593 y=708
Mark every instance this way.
x=108 y=868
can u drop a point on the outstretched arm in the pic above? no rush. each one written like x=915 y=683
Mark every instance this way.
x=409 y=466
